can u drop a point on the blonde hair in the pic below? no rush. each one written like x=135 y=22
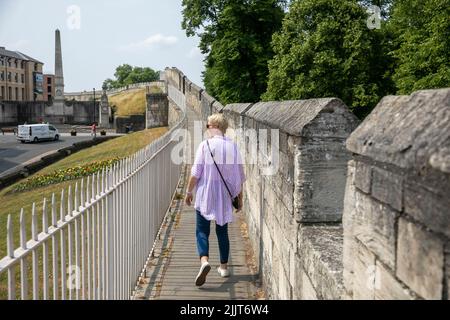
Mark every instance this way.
x=219 y=121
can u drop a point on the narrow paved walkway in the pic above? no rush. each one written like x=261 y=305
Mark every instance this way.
x=171 y=273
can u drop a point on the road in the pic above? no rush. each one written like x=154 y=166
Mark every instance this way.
x=14 y=154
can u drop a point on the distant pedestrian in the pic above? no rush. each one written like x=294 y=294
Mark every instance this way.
x=94 y=130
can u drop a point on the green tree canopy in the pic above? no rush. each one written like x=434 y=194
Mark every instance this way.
x=325 y=49
x=422 y=39
x=126 y=75
x=236 y=37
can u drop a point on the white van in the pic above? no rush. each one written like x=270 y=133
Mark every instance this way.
x=37 y=132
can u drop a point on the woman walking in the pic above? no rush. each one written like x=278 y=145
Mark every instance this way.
x=217 y=175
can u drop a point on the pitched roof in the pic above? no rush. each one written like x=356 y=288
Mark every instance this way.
x=17 y=55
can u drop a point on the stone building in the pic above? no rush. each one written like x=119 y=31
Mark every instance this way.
x=21 y=77
x=49 y=87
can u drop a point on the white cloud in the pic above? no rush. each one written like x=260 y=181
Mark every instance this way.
x=195 y=53
x=152 y=42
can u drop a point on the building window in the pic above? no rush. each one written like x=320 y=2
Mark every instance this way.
x=23 y=94
x=1 y=61
x=22 y=64
x=49 y=80
x=2 y=76
x=9 y=76
x=35 y=67
x=3 y=92
x=22 y=78
x=16 y=63
x=17 y=93
x=49 y=89
x=9 y=62
x=16 y=77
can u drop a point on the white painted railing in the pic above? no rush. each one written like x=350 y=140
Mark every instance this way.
x=95 y=241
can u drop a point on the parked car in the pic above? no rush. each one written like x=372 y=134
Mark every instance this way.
x=37 y=132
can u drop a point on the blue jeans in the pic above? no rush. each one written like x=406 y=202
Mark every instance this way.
x=202 y=232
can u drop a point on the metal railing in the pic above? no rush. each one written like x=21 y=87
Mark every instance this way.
x=95 y=241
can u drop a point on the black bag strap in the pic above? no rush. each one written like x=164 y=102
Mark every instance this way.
x=217 y=167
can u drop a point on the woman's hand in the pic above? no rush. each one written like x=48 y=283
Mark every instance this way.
x=188 y=198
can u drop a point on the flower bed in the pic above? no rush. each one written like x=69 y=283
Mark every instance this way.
x=63 y=175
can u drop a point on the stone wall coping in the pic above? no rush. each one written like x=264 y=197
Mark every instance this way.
x=407 y=131
x=293 y=116
x=217 y=105
x=239 y=108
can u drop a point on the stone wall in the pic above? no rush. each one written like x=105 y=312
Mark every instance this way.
x=18 y=112
x=394 y=241
x=156 y=112
x=174 y=114
x=397 y=205
x=294 y=212
x=137 y=122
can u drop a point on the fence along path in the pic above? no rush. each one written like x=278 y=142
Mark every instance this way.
x=96 y=242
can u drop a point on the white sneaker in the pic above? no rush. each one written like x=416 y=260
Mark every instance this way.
x=201 y=277
x=224 y=273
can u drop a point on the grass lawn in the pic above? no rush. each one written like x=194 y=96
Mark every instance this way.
x=130 y=102
x=11 y=203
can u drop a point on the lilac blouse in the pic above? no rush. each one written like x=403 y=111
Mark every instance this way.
x=211 y=196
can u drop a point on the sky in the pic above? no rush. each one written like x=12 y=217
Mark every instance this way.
x=99 y=35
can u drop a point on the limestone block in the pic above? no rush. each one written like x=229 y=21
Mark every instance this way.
x=349 y=199
x=284 y=287
x=363 y=176
x=364 y=277
x=405 y=131
x=292 y=265
x=447 y=269
x=387 y=287
x=307 y=290
x=387 y=186
x=348 y=252
x=420 y=260
x=320 y=177
x=320 y=253
x=430 y=206
x=374 y=226
x=286 y=167
x=296 y=277
x=275 y=270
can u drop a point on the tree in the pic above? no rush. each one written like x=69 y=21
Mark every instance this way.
x=422 y=40
x=235 y=35
x=126 y=75
x=325 y=49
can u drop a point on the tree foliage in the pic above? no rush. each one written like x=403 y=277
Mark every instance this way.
x=126 y=75
x=235 y=36
x=422 y=40
x=325 y=49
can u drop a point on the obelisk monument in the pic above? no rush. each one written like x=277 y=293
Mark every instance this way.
x=59 y=78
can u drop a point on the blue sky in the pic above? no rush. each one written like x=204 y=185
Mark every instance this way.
x=99 y=35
